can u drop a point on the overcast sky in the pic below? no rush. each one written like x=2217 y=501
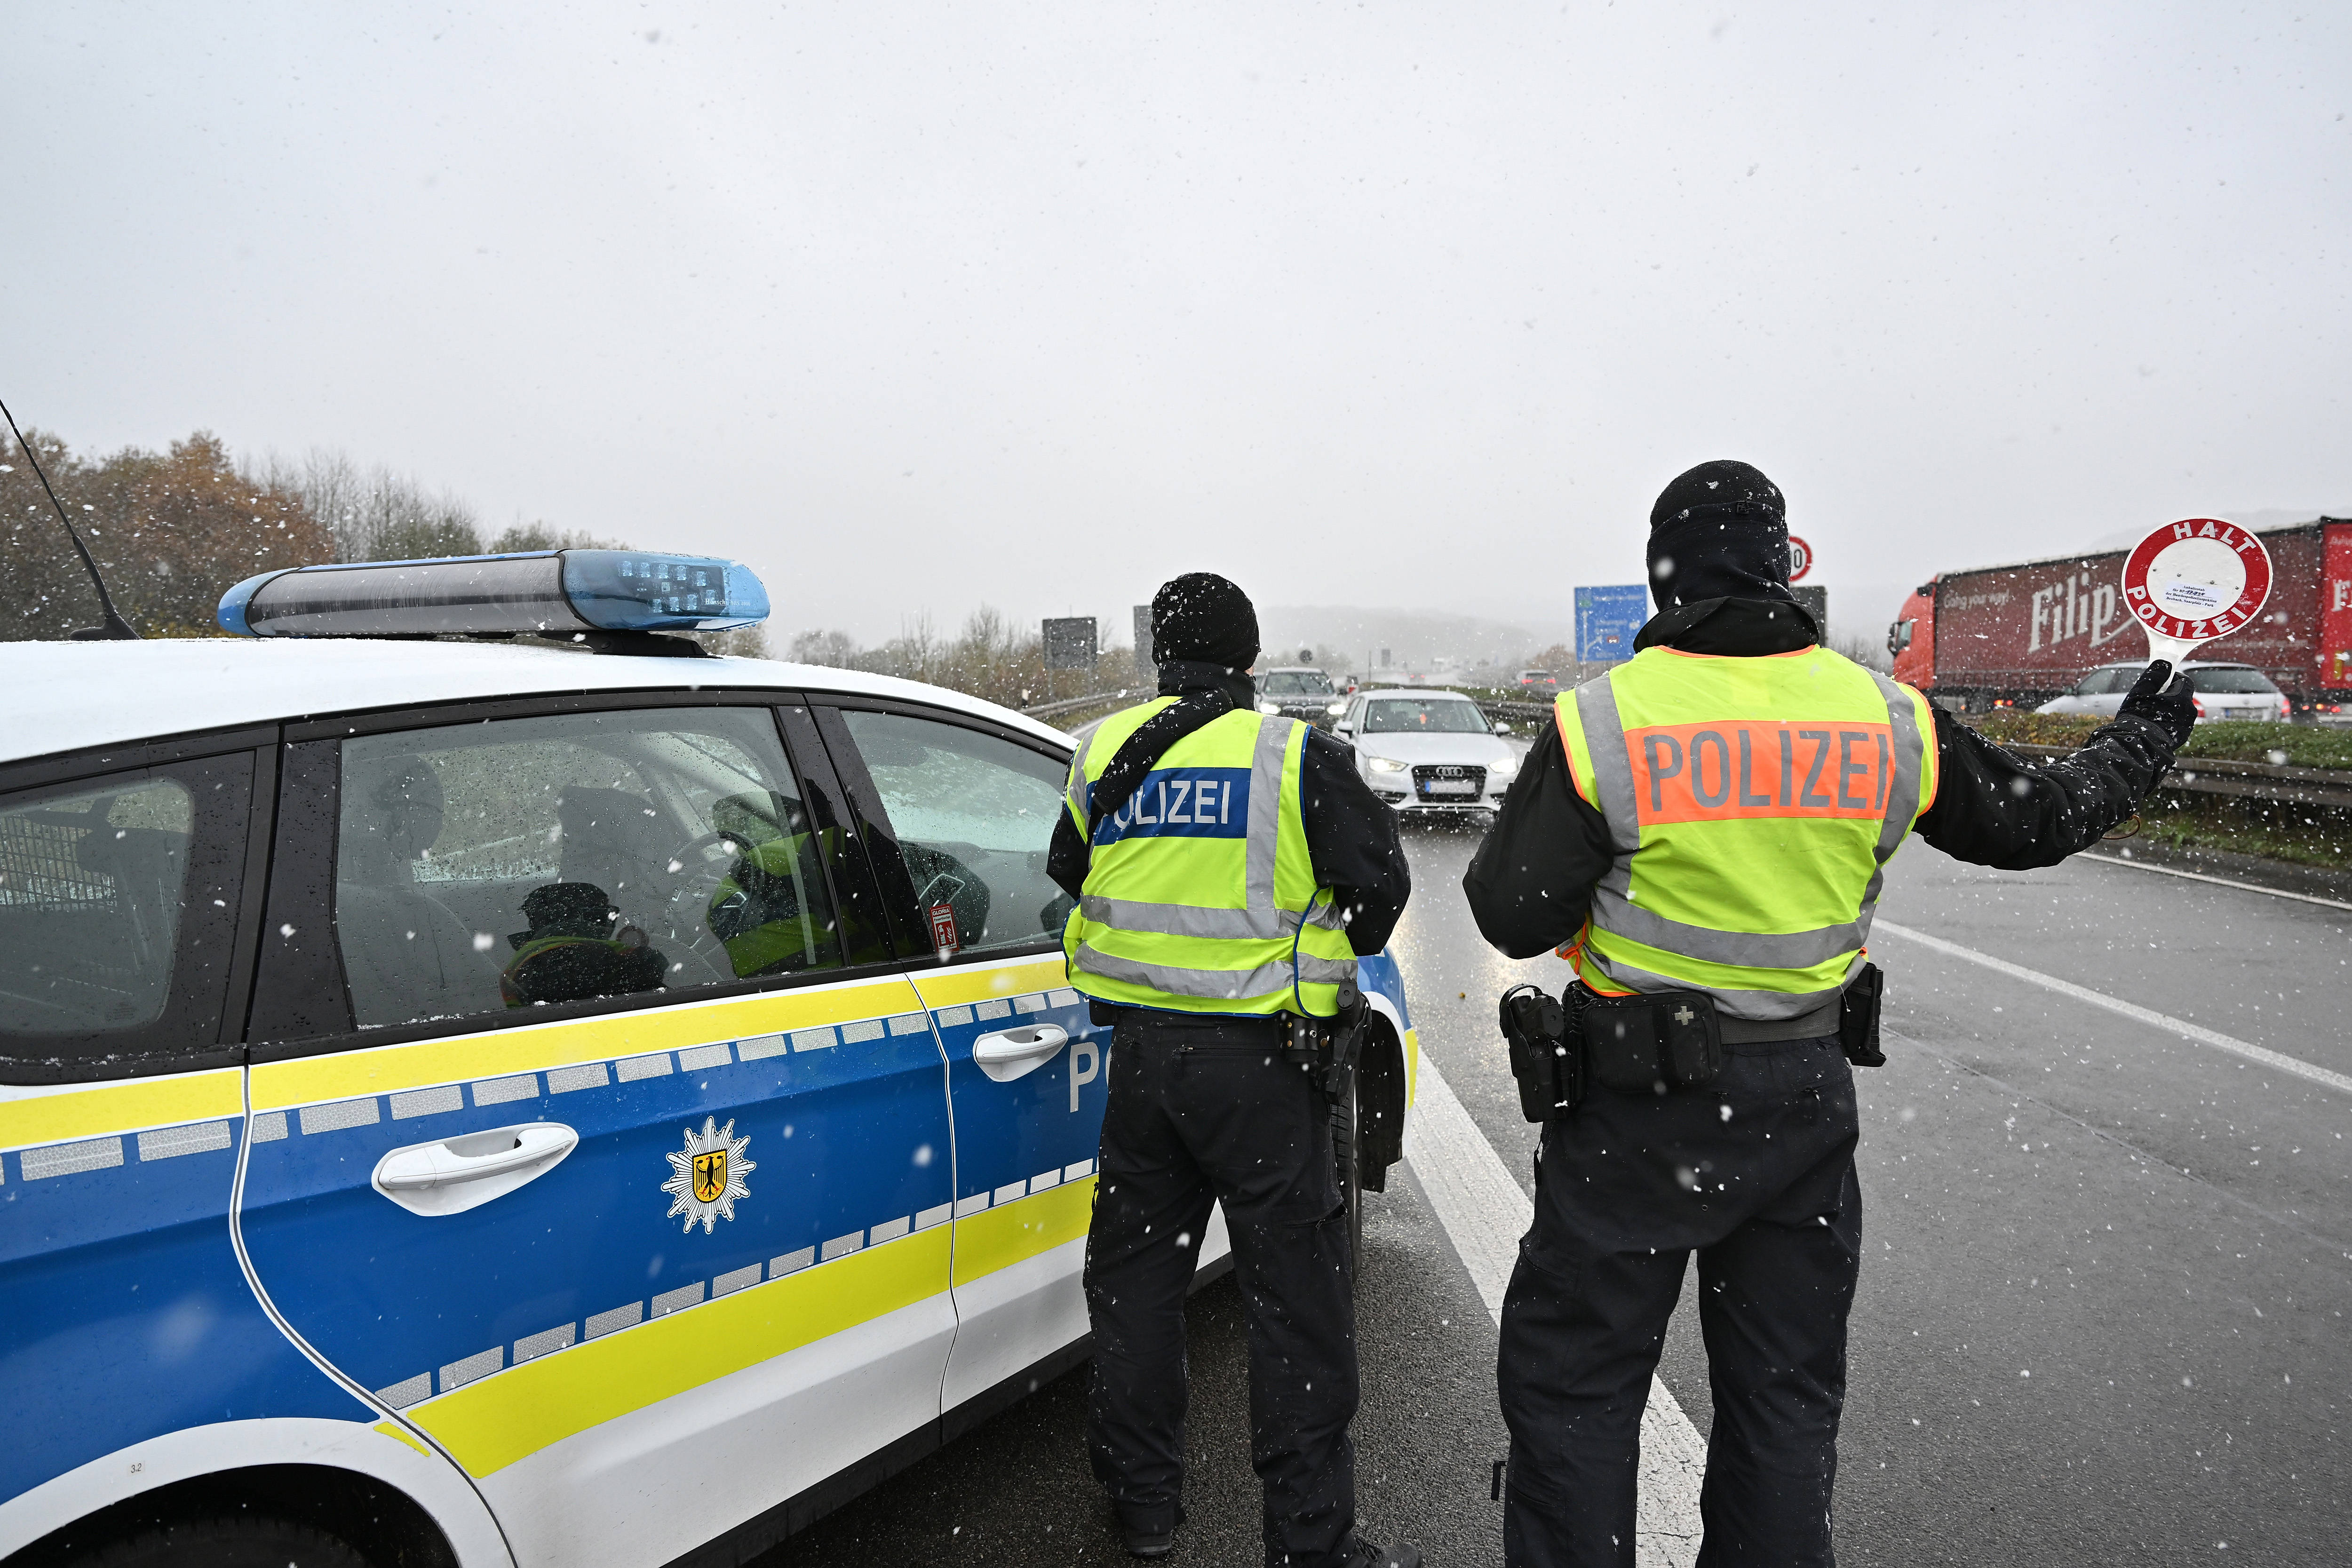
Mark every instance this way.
x=1413 y=305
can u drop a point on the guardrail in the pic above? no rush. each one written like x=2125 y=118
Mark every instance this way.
x=1072 y=704
x=2252 y=781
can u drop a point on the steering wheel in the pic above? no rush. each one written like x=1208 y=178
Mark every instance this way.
x=688 y=912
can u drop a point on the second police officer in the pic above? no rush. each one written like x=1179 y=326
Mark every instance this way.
x=1704 y=829
x=1228 y=867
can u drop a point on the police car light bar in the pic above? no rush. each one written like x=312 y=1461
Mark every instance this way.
x=549 y=591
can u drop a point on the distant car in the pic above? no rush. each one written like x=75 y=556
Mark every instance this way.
x=1540 y=680
x=1301 y=693
x=2222 y=691
x=1427 y=750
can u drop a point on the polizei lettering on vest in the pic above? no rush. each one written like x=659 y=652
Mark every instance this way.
x=1191 y=802
x=1728 y=768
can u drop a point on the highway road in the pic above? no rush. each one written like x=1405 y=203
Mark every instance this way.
x=2108 y=1216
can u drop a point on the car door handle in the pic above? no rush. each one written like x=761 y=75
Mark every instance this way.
x=454 y=1174
x=1009 y=1053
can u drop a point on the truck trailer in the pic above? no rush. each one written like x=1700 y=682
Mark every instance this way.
x=2020 y=635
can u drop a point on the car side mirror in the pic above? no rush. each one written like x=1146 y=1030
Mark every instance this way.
x=1343 y=728
x=1502 y=726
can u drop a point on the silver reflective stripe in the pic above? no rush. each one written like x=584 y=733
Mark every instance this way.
x=1265 y=808
x=1901 y=795
x=1222 y=985
x=1619 y=916
x=1758 y=1007
x=1613 y=766
x=1192 y=919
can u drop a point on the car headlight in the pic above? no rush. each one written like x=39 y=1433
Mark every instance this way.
x=1269 y=707
x=1335 y=708
x=1385 y=764
x=1505 y=768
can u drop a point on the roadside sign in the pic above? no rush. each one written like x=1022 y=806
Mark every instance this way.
x=1070 y=643
x=1606 y=620
x=2195 y=580
x=1800 y=559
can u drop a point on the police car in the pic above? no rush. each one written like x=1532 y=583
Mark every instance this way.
x=482 y=1083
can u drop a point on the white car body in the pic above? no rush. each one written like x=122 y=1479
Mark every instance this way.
x=1450 y=769
x=2102 y=691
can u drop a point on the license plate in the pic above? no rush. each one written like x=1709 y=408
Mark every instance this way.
x=1449 y=786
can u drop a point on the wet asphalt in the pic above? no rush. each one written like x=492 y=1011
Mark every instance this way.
x=2102 y=1317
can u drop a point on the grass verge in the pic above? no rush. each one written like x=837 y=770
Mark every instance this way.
x=2235 y=740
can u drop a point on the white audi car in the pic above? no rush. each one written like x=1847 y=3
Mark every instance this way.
x=1429 y=751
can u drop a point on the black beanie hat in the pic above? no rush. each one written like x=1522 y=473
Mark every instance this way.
x=1204 y=617
x=1719 y=531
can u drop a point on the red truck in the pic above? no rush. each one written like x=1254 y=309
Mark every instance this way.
x=2026 y=633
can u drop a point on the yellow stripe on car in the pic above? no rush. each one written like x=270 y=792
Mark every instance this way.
x=948 y=987
x=1010 y=1233
x=490 y=1425
x=89 y=1110
x=347 y=1075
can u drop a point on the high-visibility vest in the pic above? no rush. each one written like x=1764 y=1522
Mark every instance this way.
x=1201 y=896
x=756 y=910
x=1753 y=805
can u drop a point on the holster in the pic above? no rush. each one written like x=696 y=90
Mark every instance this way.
x=1545 y=1060
x=1657 y=1041
x=1329 y=1048
x=1858 y=1017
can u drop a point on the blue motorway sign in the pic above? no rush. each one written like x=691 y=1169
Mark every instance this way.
x=1606 y=620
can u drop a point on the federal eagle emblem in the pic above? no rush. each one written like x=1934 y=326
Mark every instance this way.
x=707 y=1176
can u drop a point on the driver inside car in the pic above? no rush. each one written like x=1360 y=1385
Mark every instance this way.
x=768 y=910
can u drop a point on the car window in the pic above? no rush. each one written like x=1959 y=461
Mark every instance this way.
x=2095 y=684
x=2230 y=682
x=973 y=816
x=119 y=900
x=489 y=867
x=91 y=885
x=1406 y=715
x=1297 y=683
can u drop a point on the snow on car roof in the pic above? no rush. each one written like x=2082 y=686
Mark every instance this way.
x=68 y=696
x=1421 y=693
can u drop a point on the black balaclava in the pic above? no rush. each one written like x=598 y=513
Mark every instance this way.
x=1203 y=634
x=1718 y=531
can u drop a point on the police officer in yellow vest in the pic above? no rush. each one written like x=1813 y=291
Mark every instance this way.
x=1228 y=866
x=1702 y=831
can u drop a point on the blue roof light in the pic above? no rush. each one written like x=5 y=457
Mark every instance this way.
x=548 y=592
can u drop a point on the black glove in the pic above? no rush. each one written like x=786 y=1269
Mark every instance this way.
x=2170 y=708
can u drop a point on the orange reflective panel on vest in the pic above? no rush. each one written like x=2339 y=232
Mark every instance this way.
x=1733 y=769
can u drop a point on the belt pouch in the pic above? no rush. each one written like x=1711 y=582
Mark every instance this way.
x=1858 y=1017
x=1665 y=1039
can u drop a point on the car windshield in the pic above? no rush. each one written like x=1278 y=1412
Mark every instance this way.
x=1297 y=683
x=2230 y=682
x=1436 y=715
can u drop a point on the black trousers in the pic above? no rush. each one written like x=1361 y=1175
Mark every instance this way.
x=1202 y=1111
x=1755 y=1173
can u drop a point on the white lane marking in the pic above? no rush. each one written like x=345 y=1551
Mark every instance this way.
x=2216 y=881
x=1485 y=1214
x=2181 y=1026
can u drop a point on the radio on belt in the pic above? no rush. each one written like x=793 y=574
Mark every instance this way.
x=548 y=593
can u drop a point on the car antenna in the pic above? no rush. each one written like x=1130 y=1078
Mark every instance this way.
x=114 y=628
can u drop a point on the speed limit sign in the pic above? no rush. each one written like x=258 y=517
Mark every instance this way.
x=1800 y=559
